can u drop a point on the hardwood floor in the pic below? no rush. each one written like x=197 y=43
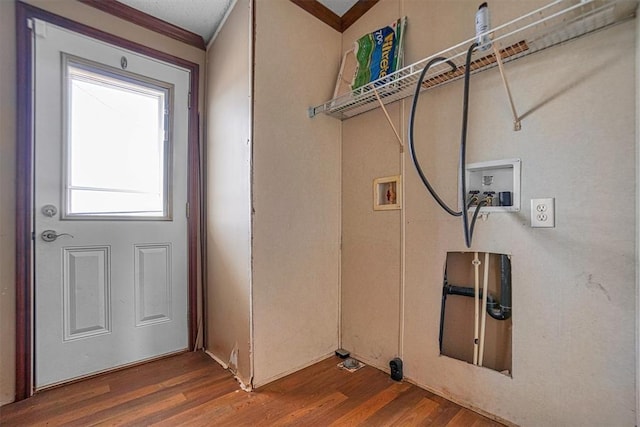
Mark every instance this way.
x=192 y=390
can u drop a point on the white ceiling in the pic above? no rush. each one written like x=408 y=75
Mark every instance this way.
x=204 y=16
x=198 y=16
x=339 y=7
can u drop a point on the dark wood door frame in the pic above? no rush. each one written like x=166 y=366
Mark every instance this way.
x=24 y=181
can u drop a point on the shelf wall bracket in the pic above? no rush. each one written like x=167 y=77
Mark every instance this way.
x=386 y=113
x=517 y=125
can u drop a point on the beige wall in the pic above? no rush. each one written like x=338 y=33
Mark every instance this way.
x=637 y=206
x=228 y=159
x=573 y=286
x=86 y=15
x=296 y=192
x=371 y=251
x=7 y=195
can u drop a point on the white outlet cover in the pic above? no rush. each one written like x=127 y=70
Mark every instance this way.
x=543 y=213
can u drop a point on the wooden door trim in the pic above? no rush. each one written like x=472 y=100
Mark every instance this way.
x=145 y=20
x=24 y=181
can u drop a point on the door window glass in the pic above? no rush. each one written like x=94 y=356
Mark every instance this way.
x=117 y=144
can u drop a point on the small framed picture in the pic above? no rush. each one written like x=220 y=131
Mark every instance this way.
x=387 y=193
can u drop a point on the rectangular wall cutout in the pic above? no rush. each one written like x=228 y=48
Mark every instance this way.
x=153 y=283
x=484 y=340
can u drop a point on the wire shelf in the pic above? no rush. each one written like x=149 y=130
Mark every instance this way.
x=551 y=25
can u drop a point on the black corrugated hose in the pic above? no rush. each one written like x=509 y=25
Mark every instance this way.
x=468 y=231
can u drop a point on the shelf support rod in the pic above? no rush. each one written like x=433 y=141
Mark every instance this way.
x=516 y=119
x=386 y=113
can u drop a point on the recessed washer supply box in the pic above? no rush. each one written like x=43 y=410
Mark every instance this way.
x=497 y=176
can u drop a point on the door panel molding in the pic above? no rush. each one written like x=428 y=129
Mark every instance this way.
x=152 y=283
x=24 y=180
x=87 y=311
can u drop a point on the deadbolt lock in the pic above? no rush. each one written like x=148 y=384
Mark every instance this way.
x=49 y=210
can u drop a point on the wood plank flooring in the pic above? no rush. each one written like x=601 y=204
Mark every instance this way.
x=190 y=389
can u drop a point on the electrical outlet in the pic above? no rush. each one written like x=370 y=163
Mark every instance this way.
x=543 y=213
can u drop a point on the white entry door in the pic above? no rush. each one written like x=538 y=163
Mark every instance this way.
x=110 y=198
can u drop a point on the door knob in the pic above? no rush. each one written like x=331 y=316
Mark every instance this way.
x=51 y=235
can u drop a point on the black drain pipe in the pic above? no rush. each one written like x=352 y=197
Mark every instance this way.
x=443 y=305
x=499 y=310
x=505 y=288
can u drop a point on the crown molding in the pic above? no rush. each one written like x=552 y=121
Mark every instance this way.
x=135 y=16
x=327 y=16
